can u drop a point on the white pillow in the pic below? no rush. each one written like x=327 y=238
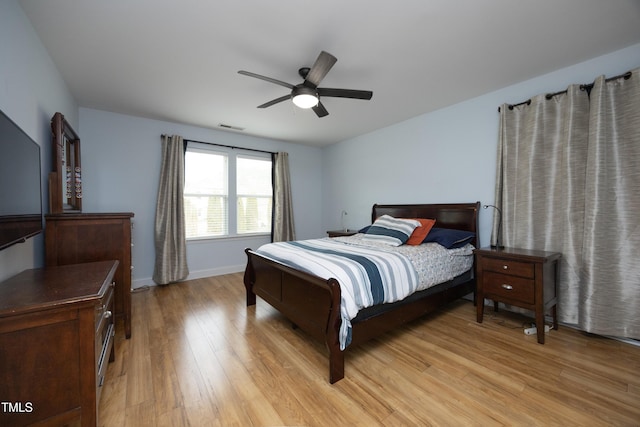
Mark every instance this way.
x=391 y=231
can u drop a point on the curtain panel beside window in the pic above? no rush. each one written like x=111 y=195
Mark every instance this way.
x=283 y=228
x=170 y=242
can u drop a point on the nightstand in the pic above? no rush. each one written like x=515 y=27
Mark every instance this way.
x=339 y=233
x=524 y=278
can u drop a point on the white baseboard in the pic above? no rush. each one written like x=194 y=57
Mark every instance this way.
x=626 y=340
x=148 y=281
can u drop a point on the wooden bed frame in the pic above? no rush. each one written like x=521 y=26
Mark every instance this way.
x=313 y=303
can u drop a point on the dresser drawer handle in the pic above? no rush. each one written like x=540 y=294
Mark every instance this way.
x=107 y=314
x=507 y=287
x=505 y=267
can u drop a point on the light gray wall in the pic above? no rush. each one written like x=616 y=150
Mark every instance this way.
x=445 y=156
x=31 y=92
x=121 y=165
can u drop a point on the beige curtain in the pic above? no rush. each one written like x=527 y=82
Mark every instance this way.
x=610 y=295
x=170 y=241
x=568 y=180
x=283 y=227
x=540 y=185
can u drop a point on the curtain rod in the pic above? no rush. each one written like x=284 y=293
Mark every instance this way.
x=230 y=146
x=587 y=87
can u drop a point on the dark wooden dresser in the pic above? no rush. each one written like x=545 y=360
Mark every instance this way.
x=56 y=336
x=72 y=238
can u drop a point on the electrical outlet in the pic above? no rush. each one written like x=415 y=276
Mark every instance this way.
x=533 y=330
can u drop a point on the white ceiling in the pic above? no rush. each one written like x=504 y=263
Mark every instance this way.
x=177 y=60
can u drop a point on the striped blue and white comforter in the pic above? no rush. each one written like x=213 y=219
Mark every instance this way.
x=368 y=273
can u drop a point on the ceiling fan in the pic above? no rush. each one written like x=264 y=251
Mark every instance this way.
x=307 y=94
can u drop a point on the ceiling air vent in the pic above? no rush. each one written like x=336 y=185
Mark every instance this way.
x=224 y=126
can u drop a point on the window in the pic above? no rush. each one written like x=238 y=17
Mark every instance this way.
x=254 y=195
x=226 y=193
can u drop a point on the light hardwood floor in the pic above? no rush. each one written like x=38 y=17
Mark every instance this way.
x=199 y=357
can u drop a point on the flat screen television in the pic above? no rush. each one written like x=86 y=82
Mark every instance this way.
x=20 y=185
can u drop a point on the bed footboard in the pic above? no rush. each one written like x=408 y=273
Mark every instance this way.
x=309 y=302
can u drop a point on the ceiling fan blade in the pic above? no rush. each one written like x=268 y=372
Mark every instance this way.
x=268 y=79
x=320 y=110
x=274 y=101
x=320 y=69
x=345 y=93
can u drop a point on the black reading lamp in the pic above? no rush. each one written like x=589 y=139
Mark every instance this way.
x=497 y=245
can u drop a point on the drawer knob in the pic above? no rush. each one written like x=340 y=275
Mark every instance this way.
x=505 y=267
x=507 y=287
x=107 y=314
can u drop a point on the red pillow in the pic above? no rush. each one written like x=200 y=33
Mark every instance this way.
x=421 y=232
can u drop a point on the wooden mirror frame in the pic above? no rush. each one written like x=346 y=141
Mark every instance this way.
x=65 y=181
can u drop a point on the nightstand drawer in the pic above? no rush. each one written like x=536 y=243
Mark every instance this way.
x=505 y=266
x=507 y=287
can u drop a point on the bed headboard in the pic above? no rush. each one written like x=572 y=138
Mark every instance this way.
x=459 y=216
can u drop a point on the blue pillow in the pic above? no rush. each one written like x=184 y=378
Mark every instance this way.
x=449 y=238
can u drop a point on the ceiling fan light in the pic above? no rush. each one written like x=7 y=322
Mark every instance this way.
x=304 y=97
x=305 y=101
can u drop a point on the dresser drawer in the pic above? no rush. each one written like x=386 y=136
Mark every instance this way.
x=104 y=309
x=505 y=266
x=104 y=336
x=507 y=287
